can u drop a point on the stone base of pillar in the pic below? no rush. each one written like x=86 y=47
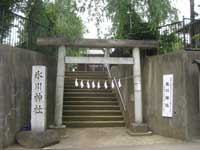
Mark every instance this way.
x=57 y=127
x=139 y=130
x=37 y=140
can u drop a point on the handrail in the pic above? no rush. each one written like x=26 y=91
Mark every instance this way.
x=117 y=87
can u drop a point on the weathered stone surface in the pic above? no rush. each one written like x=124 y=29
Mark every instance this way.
x=15 y=89
x=185 y=122
x=139 y=128
x=31 y=139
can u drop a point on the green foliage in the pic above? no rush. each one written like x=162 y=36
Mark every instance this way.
x=6 y=18
x=5 y=26
x=137 y=29
x=135 y=19
x=37 y=25
x=196 y=37
x=45 y=19
x=161 y=11
x=48 y=19
x=124 y=12
x=131 y=19
x=142 y=16
x=64 y=19
x=9 y=4
x=169 y=43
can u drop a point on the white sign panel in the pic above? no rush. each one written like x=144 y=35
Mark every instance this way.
x=167 y=108
x=38 y=98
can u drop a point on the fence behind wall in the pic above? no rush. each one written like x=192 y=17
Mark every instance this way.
x=19 y=31
x=185 y=34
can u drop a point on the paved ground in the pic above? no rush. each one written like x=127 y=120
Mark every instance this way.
x=114 y=139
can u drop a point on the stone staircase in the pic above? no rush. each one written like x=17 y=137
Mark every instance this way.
x=90 y=107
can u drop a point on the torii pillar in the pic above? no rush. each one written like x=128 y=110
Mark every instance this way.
x=137 y=127
x=60 y=87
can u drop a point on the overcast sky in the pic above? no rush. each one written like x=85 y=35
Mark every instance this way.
x=182 y=5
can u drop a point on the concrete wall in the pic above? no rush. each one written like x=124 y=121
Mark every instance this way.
x=185 y=122
x=192 y=93
x=122 y=71
x=15 y=89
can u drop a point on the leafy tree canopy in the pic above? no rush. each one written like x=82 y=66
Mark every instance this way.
x=64 y=18
x=126 y=13
x=45 y=19
x=9 y=4
x=132 y=19
x=60 y=17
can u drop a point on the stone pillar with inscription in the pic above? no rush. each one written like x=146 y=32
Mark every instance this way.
x=39 y=136
x=38 y=98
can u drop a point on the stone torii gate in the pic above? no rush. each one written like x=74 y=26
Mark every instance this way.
x=136 y=46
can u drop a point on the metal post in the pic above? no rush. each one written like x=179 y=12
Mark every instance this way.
x=60 y=86
x=137 y=86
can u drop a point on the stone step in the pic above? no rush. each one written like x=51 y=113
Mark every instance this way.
x=72 y=86
x=92 y=112
x=92 y=118
x=77 y=73
x=85 y=83
x=86 y=79
x=79 y=124
x=89 y=94
x=88 y=90
x=84 y=107
x=91 y=107
x=96 y=78
x=85 y=72
x=73 y=98
x=90 y=103
x=66 y=87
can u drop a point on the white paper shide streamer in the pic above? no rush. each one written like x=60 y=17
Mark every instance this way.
x=112 y=84
x=105 y=85
x=82 y=84
x=76 y=83
x=119 y=83
x=88 y=84
x=93 y=84
x=98 y=85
